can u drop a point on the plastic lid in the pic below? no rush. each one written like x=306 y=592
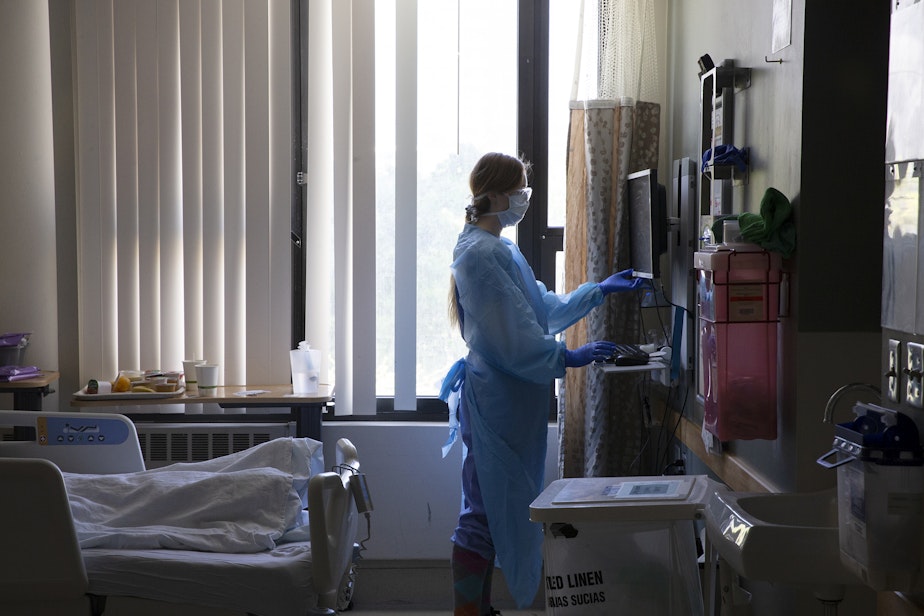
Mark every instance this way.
x=623 y=499
x=17 y=339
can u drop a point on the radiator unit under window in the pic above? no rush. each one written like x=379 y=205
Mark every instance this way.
x=168 y=443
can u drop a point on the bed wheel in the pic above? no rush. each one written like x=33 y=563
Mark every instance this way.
x=348 y=583
x=345 y=597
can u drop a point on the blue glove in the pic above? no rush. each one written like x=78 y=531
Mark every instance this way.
x=622 y=281
x=592 y=351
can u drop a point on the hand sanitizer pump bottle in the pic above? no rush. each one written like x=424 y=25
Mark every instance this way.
x=880 y=492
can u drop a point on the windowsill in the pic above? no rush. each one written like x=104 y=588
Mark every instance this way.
x=373 y=421
x=429 y=410
x=390 y=417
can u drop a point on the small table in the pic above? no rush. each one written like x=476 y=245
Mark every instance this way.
x=305 y=410
x=654 y=364
x=29 y=393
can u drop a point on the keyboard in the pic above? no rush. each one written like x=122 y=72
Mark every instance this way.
x=628 y=355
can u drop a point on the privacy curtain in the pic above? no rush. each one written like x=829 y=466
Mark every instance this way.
x=601 y=429
x=184 y=168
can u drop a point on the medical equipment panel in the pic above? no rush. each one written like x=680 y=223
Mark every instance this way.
x=65 y=438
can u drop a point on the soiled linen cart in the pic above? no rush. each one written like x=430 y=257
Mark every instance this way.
x=625 y=545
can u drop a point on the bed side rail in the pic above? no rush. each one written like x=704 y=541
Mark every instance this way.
x=97 y=443
x=40 y=557
x=347 y=455
x=332 y=524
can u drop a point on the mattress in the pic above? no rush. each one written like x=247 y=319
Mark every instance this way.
x=276 y=582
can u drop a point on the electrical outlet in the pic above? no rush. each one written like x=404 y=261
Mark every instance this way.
x=913 y=370
x=894 y=373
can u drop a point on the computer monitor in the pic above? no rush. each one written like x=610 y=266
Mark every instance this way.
x=647 y=223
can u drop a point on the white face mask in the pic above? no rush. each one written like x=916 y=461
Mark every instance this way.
x=518 y=203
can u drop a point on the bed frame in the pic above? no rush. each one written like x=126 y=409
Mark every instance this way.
x=42 y=569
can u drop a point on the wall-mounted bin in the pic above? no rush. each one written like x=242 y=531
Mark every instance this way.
x=738 y=294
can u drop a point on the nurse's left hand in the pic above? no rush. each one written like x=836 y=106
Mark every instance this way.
x=592 y=351
x=621 y=281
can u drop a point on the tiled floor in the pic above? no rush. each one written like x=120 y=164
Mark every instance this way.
x=420 y=588
x=424 y=588
x=434 y=613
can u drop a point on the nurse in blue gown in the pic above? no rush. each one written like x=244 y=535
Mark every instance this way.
x=499 y=393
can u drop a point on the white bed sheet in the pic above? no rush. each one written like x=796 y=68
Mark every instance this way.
x=228 y=533
x=277 y=582
x=248 y=501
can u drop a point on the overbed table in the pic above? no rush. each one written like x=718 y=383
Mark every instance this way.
x=29 y=393
x=305 y=410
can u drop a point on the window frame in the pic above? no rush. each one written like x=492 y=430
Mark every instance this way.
x=299 y=148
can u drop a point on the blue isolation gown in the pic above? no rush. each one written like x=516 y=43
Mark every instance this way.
x=508 y=322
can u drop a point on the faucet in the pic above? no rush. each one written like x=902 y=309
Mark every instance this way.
x=836 y=396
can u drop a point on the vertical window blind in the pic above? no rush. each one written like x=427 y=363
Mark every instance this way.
x=397 y=114
x=184 y=136
x=341 y=195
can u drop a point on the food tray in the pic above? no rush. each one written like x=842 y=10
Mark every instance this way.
x=130 y=395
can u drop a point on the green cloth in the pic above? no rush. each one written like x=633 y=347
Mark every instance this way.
x=772 y=229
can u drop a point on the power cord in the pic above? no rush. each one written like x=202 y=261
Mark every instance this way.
x=679 y=463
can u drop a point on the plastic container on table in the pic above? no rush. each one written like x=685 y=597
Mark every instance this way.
x=13 y=348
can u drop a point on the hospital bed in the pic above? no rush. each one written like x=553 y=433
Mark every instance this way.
x=44 y=569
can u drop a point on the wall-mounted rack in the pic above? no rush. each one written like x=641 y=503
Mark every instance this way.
x=718 y=87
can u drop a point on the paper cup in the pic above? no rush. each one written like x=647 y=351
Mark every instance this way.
x=207 y=379
x=189 y=374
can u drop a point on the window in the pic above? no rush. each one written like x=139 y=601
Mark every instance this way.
x=187 y=177
x=451 y=81
x=465 y=69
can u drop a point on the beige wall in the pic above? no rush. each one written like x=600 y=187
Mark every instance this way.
x=28 y=267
